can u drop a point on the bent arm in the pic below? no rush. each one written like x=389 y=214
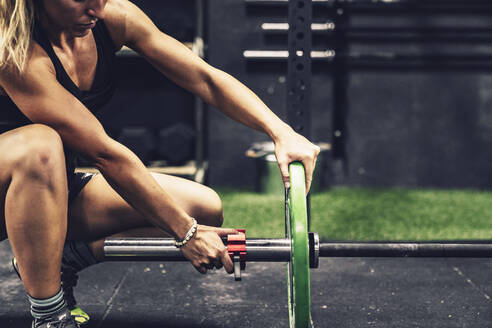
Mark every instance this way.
x=43 y=100
x=217 y=88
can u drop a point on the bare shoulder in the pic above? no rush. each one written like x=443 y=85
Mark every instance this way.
x=115 y=17
x=124 y=20
x=38 y=67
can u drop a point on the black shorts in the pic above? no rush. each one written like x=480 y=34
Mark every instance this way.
x=76 y=183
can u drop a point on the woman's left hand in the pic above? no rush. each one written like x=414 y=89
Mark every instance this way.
x=291 y=147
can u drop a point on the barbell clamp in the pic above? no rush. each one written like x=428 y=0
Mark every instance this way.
x=236 y=247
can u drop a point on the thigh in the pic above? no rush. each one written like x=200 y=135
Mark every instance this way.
x=98 y=211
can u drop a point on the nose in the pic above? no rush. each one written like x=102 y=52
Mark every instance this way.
x=95 y=8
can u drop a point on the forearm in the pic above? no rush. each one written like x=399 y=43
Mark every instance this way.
x=241 y=104
x=132 y=181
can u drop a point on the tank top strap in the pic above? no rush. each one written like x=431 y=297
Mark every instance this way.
x=103 y=85
x=39 y=35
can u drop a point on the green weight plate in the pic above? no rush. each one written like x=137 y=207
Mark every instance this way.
x=299 y=293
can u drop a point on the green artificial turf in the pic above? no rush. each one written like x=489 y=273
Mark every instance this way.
x=370 y=214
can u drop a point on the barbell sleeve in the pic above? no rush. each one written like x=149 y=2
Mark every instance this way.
x=284 y=27
x=327 y=55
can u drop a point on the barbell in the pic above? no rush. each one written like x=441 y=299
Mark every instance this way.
x=300 y=249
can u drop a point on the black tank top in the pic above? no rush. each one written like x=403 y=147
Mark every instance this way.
x=99 y=94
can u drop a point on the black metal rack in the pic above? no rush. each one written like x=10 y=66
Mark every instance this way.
x=340 y=34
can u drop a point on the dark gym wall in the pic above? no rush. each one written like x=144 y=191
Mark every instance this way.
x=426 y=124
x=423 y=123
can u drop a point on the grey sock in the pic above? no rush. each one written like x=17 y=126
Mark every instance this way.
x=45 y=308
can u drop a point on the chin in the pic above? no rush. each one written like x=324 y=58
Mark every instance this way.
x=80 y=33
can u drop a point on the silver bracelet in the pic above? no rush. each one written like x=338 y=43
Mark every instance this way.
x=188 y=236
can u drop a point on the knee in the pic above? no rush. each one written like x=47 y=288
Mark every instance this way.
x=38 y=152
x=212 y=213
x=217 y=210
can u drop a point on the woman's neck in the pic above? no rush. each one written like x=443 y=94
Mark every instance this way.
x=58 y=37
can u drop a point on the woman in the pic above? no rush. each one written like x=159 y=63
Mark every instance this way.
x=56 y=58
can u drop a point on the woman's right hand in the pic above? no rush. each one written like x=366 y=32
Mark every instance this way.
x=206 y=249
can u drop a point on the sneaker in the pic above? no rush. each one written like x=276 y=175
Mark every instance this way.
x=63 y=319
x=69 y=280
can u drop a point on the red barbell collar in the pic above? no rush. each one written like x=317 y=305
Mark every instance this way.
x=236 y=247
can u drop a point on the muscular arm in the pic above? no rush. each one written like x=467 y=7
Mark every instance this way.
x=43 y=100
x=216 y=87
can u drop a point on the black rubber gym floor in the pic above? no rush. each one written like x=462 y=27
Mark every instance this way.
x=346 y=292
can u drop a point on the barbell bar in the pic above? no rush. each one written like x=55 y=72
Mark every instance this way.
x=354 y=57
x=385 y=31
x=474 y=249
x=279 y=250
x=163 y=249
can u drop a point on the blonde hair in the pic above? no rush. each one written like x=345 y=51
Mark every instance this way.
x=16 y=21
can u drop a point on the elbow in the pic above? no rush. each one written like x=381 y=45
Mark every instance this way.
x=103 y=152
x=212 y=81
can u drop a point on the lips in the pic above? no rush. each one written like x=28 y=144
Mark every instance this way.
x=87 y=26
